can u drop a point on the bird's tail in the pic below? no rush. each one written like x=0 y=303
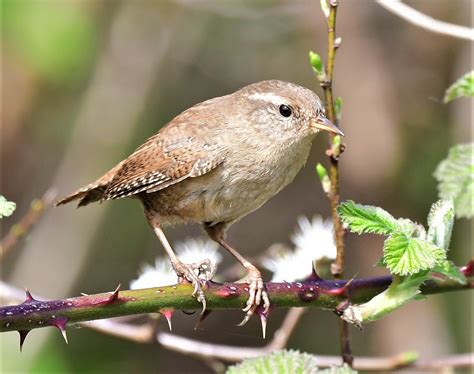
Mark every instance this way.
x=86 y=195
x=92 y=192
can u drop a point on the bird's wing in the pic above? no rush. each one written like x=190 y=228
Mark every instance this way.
x=163 y=160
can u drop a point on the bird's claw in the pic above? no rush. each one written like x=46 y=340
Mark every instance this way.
x=257 y=294
x=196 y=273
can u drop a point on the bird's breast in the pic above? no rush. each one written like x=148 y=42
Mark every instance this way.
x=248 y=179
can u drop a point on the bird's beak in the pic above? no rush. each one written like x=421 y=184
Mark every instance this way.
x=322 y=123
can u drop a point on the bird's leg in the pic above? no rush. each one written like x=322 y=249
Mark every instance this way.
x=257 y=292
x=190 y=272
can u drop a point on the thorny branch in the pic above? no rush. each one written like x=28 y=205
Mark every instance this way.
x=148 y=334
x=313 y=292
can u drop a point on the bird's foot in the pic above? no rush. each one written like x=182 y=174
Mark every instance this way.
x=197 y=274
x=257 y=293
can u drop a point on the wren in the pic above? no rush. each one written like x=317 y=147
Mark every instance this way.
x=215 y=163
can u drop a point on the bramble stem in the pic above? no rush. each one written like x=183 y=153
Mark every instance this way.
x=146 y=333
x=324 y=294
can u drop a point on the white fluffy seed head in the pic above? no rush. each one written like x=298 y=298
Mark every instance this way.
x=316 y=236
x=188 y=251
x=194 y=250
x=314 y=240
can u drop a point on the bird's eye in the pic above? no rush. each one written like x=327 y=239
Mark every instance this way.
x=285 y=110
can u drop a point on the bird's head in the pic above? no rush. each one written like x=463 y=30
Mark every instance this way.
x=282 y=109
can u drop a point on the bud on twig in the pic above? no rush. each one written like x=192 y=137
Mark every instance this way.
x=324 y=178
x=318 y=66
x=336 y=147
x=325 y=8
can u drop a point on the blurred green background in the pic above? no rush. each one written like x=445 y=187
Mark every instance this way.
x=85 y=82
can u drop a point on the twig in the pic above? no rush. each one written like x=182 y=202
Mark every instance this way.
x=334 y=152
x=428 y=23
x=18 y=230
x=455 y=361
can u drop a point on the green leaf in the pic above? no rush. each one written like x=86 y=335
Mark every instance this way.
x=6 y=207
x=455 y=177
x=451 y=271
x=367 y=219
x=324 y=178
x=404 y=255
x=463 y=87
x=285 y=361
x=440 y=223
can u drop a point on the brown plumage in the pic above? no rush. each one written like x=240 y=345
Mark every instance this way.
x=216 y=162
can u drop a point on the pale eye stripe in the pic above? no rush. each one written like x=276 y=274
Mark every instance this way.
x=268 y=97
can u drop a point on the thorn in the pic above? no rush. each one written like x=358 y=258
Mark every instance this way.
x=23 y=334
x=29 y=298
x=350 y=281
x=201 y=319
x=314 y=276
x=167 y=313
x=84 y=294
x=60 y=323
x=263 y=319
x=468 y=269
x=63 y=333
x=114 y=297
x=340 y=290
